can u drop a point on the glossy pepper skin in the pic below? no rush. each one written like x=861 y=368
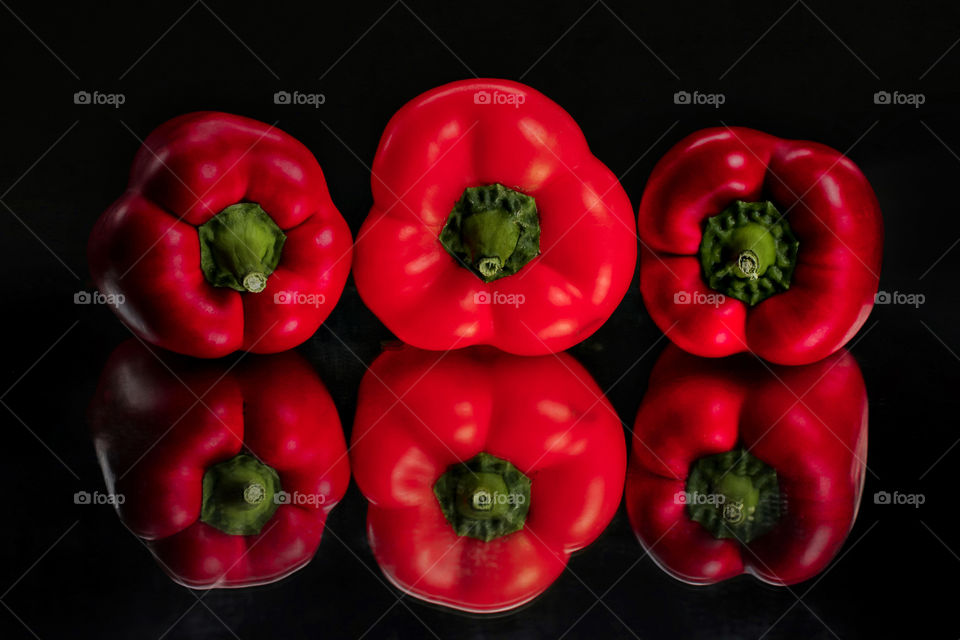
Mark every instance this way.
x=158 y=432
x=482 y=133
x=545 y=415
x=808 y=423
x=146 y=246
x=830 y=208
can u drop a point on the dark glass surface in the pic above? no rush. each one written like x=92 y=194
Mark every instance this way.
x=800 y=70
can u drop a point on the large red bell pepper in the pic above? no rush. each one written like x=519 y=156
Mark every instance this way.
x=756 y=243
x=492 y=223
x=484 y=471
x=738 y=468
x=227 y=473
x=225 y=239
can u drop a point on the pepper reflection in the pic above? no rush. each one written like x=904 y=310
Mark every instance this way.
x=743 y=467
x=228 y=473
x=484 y=471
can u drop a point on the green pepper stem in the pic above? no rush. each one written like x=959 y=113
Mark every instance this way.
x=484 y=498
x=493 y=231
x=489 y=267
x=480 y=495
x=748 y=251
x=253 y=493
x=733 y=495
x=240 y=247
x=238 y=495
x=749 y=264
x=255 y=282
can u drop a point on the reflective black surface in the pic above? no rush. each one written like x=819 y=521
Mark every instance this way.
x=801 y=70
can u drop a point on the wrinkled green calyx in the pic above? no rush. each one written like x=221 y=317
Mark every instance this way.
x=239 y=495
x=493 y=231
x=484 y=498
x=240 y=247
x=733 y=495
x=748 y=251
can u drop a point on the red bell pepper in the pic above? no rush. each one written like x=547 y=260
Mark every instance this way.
x=492 y=223
x=484 y=471
x=740 y=468
x=225 y=239
x=755 y=243
x=228 y=474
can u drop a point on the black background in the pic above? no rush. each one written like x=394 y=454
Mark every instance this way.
x=801 y=70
